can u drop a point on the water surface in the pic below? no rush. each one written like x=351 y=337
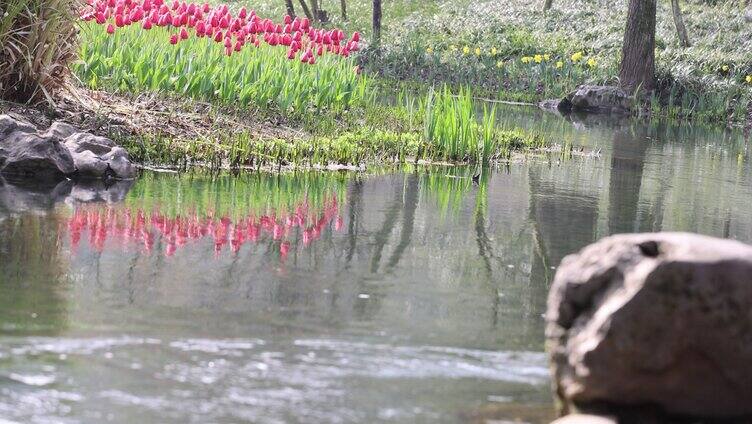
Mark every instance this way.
x=406 y=296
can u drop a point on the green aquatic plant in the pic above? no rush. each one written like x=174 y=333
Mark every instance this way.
x=453 y=133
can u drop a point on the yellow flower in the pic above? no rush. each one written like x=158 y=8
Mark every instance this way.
x=546 y=56
x=748 y=79
x=493 y=51
x=500 y=65
x=559 y=64
x=526 y=59
x=725 y=68
x=465 y=50
x=429 y=50
x=538 y=58
x=591 y=62
x=477 y=51
x=577 y=57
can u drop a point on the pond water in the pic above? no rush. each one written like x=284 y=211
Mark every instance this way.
x=407 y=296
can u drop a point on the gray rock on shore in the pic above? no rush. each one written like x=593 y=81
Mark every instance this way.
x=654 y=322
x=59 y=152
x=591 y=99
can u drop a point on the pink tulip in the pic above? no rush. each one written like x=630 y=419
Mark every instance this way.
x=110 y=29
x=173 y=39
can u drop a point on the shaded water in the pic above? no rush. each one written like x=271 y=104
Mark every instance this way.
x=411 y=296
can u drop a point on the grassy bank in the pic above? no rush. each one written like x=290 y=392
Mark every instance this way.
x=439 y=127
x=329 y=108
x=519 y=53
x=511 y=50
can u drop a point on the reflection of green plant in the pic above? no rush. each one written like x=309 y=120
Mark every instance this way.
x=448 y=187
x=32 y=276
x=234 y=196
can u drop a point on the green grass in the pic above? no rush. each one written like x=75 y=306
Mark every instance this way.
x=424 y=41
x=134 y=60
x=453 y=133
x=436 y=127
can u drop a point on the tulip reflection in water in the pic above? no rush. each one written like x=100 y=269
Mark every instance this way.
x=139 y=227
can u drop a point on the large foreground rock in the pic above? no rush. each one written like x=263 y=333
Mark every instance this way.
x=659 y=322
x=59 y=152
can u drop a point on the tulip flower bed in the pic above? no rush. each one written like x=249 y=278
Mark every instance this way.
x=204 y=51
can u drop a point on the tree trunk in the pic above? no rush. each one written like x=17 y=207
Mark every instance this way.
x=637 y=71
x=315 y=10
x=681 y=30
x=547 y=4
x=343 y=7
x=290 y=8
x=376 y=23
x=306 y=10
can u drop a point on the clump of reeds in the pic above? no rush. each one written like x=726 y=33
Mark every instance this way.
x=37 y=43
x=453 y=132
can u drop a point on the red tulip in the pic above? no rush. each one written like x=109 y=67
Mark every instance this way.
x=174 y=39
x=110 y=29
x=287 y=19
x=183 y=34
x=356 y=36
x=243 y=13
x=146 y=25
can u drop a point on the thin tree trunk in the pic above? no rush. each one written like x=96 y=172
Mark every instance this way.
x=315 y=10
x=290 y=8
x=547 y=4
x=681 y=30
x=343 y=7
x=637 y=71
x=376 y=22
x=306 y=10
